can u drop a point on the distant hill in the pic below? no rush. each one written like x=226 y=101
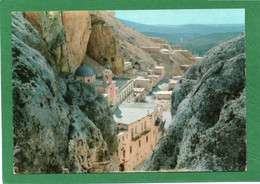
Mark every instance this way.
x=194 y=37
x=174 y=39
x=197 y=44
x=203 y=44
x=201 y=29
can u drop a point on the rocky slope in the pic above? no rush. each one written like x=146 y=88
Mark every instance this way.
x=112 y=42
x=59 y=126
x=126 y=44
x=208 y=130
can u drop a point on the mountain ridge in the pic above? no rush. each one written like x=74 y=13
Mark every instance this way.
x=180 y=28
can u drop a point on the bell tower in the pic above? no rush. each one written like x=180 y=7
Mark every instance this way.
x=107 y=75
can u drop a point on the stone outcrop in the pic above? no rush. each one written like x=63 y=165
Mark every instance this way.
x=103 y=44
x=66 y=35
x=78 y=28
x=59 y=125
x=208 y=130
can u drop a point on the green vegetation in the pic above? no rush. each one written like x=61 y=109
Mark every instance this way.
x=203 y=44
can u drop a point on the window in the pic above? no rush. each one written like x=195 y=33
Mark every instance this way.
x=142 y=126
x=145 y=125
x=135 y=129
x=139 y=143
x=123 y=138
x=147 y=138
x=124 y=154
x=126 y=136
x=132 y=132
x=88 y=80
x=130 y=149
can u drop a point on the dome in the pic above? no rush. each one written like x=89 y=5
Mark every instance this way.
x=107 y=66
x=84 y=71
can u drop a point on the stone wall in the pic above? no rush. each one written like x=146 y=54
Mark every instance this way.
x=175 y=47
x=155 y=50
x=158 y=40
x=143 y=83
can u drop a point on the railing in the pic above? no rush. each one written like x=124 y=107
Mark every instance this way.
x=145 y=132
x=136 y=138
x=139 y=136
x=123 y=99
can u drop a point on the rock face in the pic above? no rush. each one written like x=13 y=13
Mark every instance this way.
x=59 y=125
x=208 y=130
x=66 y=35
x=78 y=28
x=103 y=44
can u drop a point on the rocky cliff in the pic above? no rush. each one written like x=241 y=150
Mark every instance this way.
x=66 y=35
x=59 y=125
x=208 y=130
x=71 y=37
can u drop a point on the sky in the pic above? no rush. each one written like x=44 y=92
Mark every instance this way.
x=181 y=17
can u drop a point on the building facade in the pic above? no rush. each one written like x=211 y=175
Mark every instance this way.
x=159 y=70
x=125 y=92
x=143 y=83
x=140 y=126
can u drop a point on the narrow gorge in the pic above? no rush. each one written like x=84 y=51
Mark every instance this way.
x=69 y=123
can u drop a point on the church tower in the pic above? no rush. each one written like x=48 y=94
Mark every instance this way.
x=107 y=75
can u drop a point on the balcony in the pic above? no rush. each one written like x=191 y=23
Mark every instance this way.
x=145 y=132
x=140 y=135
x=136 y=138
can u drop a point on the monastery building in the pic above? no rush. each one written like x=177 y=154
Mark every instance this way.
x=140 y=125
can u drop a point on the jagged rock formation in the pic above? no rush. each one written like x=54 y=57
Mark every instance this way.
x=66 y=35
x=59 y=126
x=208 y=130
